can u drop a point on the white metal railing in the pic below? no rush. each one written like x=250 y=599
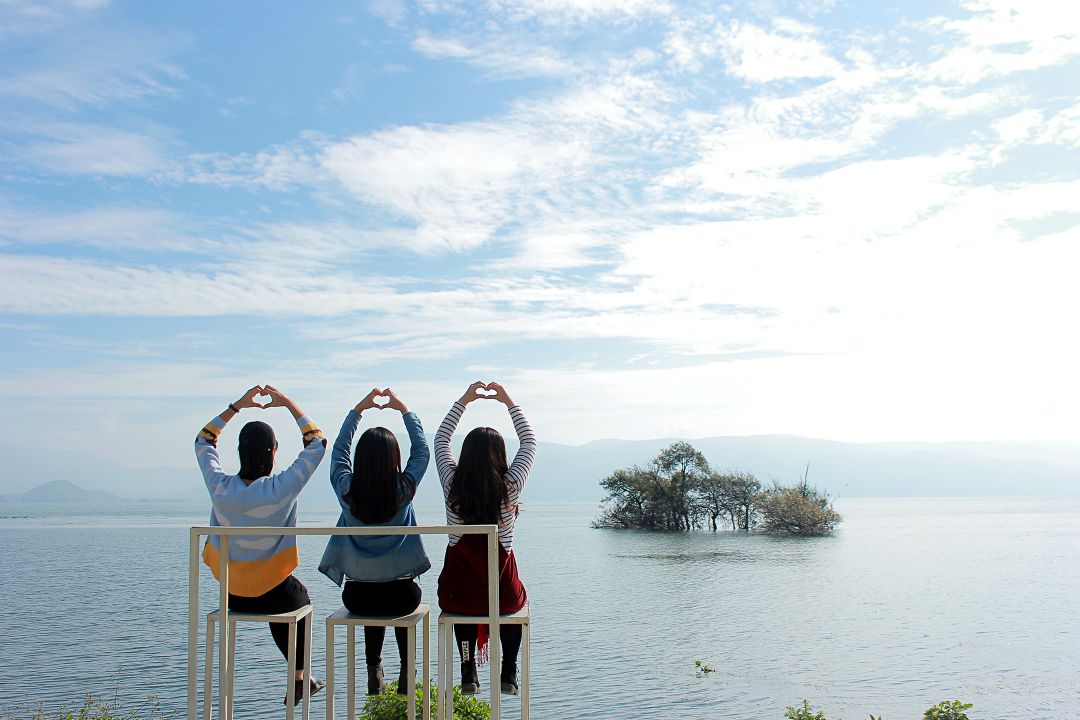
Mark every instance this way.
x=225 y=533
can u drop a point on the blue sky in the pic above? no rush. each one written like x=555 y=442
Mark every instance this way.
x=855 y=221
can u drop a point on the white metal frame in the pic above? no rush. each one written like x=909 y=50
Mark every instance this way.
x=447 y=648
x=195 y=535
x=292 y=619
x=422 y=614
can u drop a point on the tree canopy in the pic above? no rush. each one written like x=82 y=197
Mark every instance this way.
x=678 y=490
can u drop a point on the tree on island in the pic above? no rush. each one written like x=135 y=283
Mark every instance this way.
x=799 y=510
x=677 y=490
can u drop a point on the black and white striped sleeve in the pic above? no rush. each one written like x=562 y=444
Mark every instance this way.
x=444 y=456
x=519 y=469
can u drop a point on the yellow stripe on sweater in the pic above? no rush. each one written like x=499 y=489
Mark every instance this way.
x=252 y=579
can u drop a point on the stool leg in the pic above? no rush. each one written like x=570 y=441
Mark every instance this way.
x=440 y=672
x=352 y=671
x=307 y=670
x=232 y=667
x=525 y=675
x=410 y=674
x=330 y=671
x=448 y=684
x=208 y=684
x=427 y=663
x=290 y=692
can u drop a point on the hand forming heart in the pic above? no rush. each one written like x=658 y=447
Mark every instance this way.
x=383 y=397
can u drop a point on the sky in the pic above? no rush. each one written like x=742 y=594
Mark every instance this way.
x=843 y=220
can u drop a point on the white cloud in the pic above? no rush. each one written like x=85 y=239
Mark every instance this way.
x=790 y=51
x=457 y=183
x=111 y=227
x=500 y=59
x=95 y=68
x=77 y=149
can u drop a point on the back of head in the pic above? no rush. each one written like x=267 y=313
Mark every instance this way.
x=375 y=492
x=256 y=449
x=478 y=490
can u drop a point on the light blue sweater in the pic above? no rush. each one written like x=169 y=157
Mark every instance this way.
x=257 y=564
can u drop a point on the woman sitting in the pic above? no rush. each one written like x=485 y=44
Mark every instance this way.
x=482 y=489
x=260 y=567
x=379 y=571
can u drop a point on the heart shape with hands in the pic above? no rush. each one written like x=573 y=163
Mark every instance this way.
x=381 y=400
x=263 y=401
x=486 y=392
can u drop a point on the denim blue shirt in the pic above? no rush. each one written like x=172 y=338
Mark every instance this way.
x=376 y=558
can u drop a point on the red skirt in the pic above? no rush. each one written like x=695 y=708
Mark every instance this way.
x=463 y=581
x=463 y=584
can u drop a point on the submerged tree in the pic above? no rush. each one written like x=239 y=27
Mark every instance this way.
x=799 y=510
x=677 y=490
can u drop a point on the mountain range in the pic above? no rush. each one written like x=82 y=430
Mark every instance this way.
x=572 y=473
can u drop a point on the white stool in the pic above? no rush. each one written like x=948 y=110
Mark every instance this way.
x=292 y=619
x=410 y=621
x=447 y=621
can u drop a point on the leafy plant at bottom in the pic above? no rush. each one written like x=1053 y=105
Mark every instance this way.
x=804 y=713
x=95 y=709
x=391 y=706
x=947 y=710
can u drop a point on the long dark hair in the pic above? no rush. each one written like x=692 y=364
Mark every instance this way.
x=376 y=492
x=478 y=490
x=256 y=450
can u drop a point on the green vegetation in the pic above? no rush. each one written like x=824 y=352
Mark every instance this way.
x=804 y=713
x=946 y=710
x=95 y=709
x=391 y=706
x=800 y=510
x=703 y=668
x=678 y=490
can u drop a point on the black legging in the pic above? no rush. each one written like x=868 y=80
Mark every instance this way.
x=286 y=597
x=397 y=597
x=509 y=634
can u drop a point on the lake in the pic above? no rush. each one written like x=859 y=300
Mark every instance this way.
x=911 y=602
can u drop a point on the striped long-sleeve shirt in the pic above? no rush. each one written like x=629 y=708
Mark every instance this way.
x=515 y=476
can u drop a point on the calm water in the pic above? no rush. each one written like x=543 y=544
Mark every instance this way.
x=913 y=601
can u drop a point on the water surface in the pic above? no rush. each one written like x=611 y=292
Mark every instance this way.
x=911 y=602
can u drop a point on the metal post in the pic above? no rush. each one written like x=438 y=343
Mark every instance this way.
x=224 y=689
x=193 y=625
x=330 y=671
x=493 y=622
x=427 y=665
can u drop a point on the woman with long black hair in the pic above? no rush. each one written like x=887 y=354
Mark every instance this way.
x=481 y=488
x=260 y=567
x=379 y=572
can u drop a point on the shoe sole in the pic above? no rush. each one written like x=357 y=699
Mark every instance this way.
x=509 y=689
x=470 y=688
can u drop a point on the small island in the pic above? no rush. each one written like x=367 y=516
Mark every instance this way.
x=59 y=492
x=679 y=491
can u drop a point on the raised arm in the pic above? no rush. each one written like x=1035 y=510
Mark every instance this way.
x=206 y=441
x=519 y=469
x=341 y=456
x=444 y=456
x=419 y=455
x=293 y=479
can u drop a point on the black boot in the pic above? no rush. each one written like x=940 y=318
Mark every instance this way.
x=509 y=677
x=470 y=683
x=403 y=680
x=375 y=683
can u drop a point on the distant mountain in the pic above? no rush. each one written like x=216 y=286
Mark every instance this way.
x=573 y=473
x=59 y=492
x=843 y=469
